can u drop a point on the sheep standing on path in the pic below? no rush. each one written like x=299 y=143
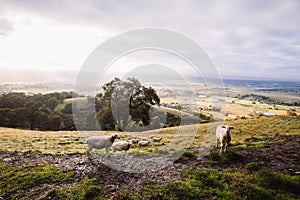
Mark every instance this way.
x=223 y=136
x=101 y=142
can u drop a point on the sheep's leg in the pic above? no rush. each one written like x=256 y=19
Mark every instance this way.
x=221 y=147
x=225 y=148
x=89 y=149
x=217 y=142
x=106 y=152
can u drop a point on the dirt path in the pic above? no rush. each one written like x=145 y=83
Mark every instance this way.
x=280 y=155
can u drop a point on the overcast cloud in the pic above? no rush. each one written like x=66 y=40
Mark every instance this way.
x=254 y=39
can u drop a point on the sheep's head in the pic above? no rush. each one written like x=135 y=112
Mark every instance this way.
x=115 y=136
x=147 y=142
x=228 y=128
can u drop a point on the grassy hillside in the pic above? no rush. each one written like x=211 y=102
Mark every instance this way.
x=78 y=100
x=193 y=184
x=241 y=173
x=59 y=142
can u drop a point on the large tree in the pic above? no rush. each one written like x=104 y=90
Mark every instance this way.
x=37 y=114
x=125 y=101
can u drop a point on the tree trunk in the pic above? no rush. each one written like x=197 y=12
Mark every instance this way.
x=31 y=124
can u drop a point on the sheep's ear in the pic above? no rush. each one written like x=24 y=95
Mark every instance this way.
x=223 y=126
x=231 y=127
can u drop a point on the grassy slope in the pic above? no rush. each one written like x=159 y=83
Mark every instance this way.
x=194 y=184
x=264 y=126
x=79 y=100
x=74 y=142
x=28 y=182
x=210 y=184
x=48 y=182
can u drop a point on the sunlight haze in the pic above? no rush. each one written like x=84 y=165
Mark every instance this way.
x=249 y=39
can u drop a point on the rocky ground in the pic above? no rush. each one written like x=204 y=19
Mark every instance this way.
x=279 y=154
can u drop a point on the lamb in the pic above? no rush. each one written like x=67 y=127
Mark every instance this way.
x=156 y=139
x=223 y=136
x=135 y=141
x=121 y=146
x=145 y=139
x=100 y=142
x=143 y=143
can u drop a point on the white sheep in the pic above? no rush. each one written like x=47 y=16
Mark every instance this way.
x=145 y=139
x=156 y=139
x=100 y=142
x=121 y=146
x=223 y=136
x=143 y=143
x=135 y=141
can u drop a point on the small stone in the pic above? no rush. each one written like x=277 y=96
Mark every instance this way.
x=81 y=162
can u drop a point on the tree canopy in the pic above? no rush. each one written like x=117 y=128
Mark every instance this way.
x=126 y=101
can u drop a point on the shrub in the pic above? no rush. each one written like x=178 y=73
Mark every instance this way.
x=186 y=156
x=227 y=157
x=291 y=113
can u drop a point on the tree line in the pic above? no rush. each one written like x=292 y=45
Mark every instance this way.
x=37 y=111
x=124 y=105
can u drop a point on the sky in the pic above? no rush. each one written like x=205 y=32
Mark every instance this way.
x=51 y=40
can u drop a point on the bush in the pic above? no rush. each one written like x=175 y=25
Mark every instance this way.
x=227 y=157
x=291 y=113
x=186 y=156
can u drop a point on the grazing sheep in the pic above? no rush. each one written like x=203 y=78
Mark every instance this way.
x=121 y=146
x=135 y=141
x=223 y=136
x=100 y=142
x=145 y=139
x=143 y=143
x=156 y=139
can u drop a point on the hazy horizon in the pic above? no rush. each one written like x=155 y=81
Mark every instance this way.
x=69 y=77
